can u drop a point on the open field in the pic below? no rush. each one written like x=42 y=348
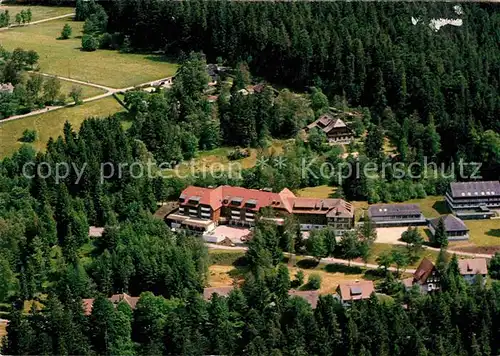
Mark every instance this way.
x=51 y=124
x=221 y=275
x=38 y=12
x=87 y=91
x=64 y=57
x=322 y=191
x=66 y=86
x=431 y=206
x=484 y=232
x=380 y=248
x=216 y=160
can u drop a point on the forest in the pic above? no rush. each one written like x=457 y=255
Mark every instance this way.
x=433 y=94
x=369 y=54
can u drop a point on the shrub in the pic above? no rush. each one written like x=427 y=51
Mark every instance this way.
x=29 y=135
x=314 y=281
x=89 y=43
x=106 y=41
x=238 y=153
x=66 y=32
x=299 y=276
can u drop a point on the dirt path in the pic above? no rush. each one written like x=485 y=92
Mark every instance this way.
x=109 y=91
x=37 y=22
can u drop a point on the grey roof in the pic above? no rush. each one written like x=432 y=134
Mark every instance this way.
x=237 y=199
x=451 y=223
x=393 y=209
x=195 y=198
x=475 y=189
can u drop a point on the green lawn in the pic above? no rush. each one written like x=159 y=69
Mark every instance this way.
x=216 y=160
x=484 y=232
x=51 y=124
x=431 y=206
x=322 y=191
x=87 y=91
x=64 y=57
x=378 y=248
x=38 y=12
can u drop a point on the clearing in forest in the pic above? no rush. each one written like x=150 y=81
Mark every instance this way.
x=51 y=123
x=38 y=12
x=65 y=58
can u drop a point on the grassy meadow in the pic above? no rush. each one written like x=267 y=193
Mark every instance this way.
x=51 y=123
x=65 y=58
x=38 y=12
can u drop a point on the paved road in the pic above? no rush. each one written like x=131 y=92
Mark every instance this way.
x=327 y=260
x=37 y=22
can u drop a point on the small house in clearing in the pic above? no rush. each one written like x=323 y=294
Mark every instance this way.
x=335 y=129
x=115 y=299
x=470 y=268
x=349 y=292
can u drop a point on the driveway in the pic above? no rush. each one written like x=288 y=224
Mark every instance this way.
x=390 y=235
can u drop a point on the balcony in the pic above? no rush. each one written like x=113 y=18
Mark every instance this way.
x=205 y=208
x=193 y=211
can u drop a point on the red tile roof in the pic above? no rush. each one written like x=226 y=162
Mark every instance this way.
x=284 y=200
x=423 y=271
x=355 y=290
x=473 y=266
x=115 y=299
x=310 y=296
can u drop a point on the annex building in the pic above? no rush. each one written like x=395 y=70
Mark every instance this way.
x=391 y=215
x=473 y=200
x=454 y=227
x=203 y=209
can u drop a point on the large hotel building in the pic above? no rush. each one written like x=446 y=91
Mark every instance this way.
x=202 y=209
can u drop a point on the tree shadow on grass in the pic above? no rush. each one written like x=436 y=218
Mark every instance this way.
x=307 y=263
x=157 y=58
x=493 y=232
x=441 y=207
x=337 y=268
